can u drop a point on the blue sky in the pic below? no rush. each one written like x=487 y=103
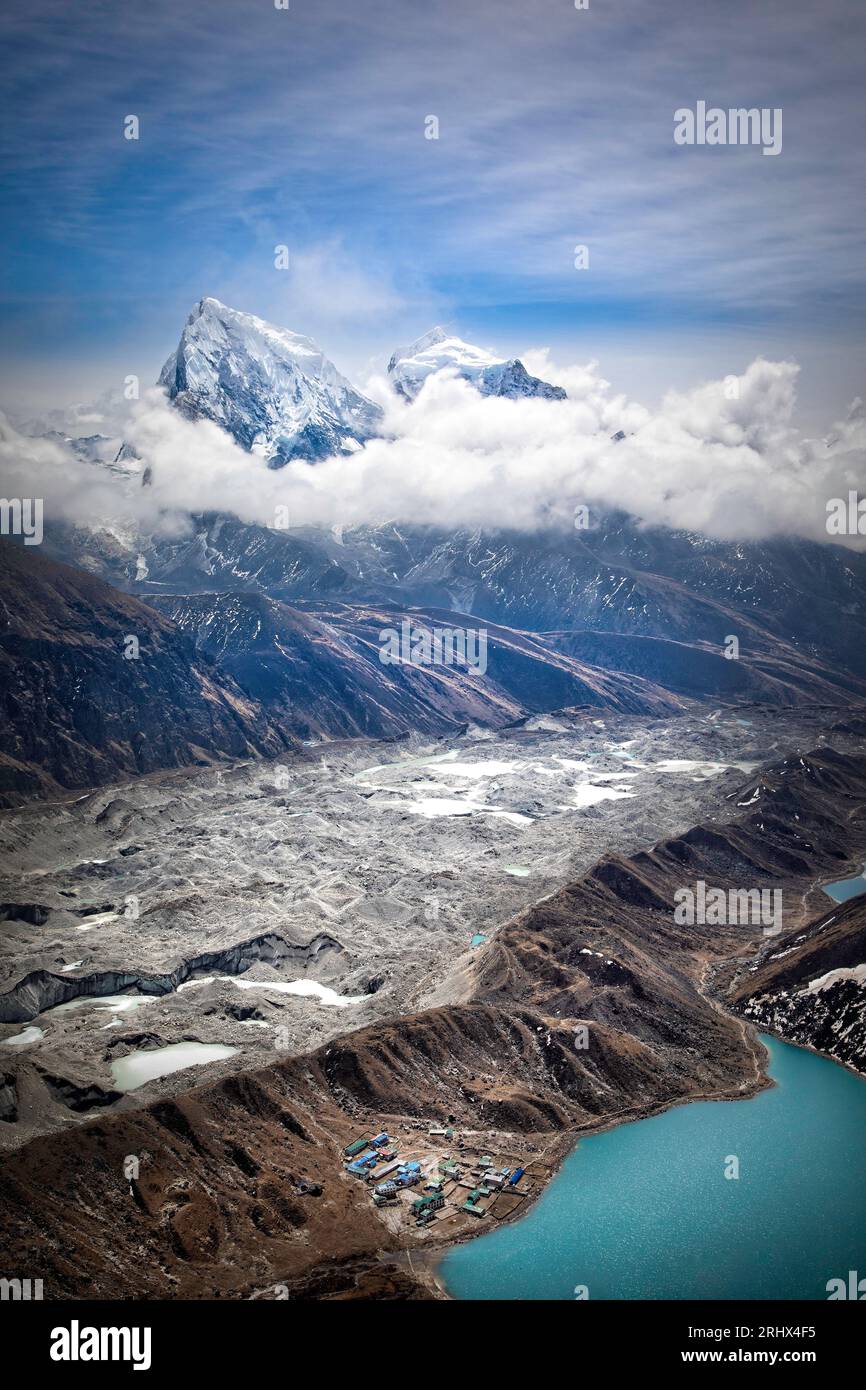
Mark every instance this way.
x=306 y=127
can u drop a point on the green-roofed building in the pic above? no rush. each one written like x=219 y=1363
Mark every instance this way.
x=355 y=1148
x=473 y=1207
x=431 y=1203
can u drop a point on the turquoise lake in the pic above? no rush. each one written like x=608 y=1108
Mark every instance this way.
x=644 y=1211
x=846 y=888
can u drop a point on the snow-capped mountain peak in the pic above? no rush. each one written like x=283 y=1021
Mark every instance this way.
x=435 y=350
x=438 y=350
x=273 y=390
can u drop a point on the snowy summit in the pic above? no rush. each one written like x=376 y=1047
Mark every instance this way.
x=438 y=350
x=273 y=390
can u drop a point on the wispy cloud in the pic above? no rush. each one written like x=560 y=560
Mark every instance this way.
x=305 y=126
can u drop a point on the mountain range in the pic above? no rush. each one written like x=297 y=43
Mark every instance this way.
x=99 y=685
x=629 y=602
x=125 y=653
x=237 y=673
x=319 y=672
x=278 y=395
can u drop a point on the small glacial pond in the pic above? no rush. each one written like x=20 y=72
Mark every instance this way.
x=29 y=1035
x=310 y=989
x=103 y=1003
x=846 y=888
x=134 y=1070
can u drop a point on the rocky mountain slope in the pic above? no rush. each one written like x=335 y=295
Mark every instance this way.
x=810 y=594
x=810 y=987
x=319 y=673
x=776 y=675
x=229 y=675
x=809 y=984
x=781 y=600
x=77 y=711
x=217 y=552
x=675 y=590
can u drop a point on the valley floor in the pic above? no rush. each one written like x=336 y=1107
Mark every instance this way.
x=348 y=886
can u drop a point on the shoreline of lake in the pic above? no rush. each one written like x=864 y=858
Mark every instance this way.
x=561 y=1150
x=779 y=1061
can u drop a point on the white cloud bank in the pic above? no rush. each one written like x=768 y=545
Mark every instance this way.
x=724 y=459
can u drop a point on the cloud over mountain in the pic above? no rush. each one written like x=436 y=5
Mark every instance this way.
x=724 y=459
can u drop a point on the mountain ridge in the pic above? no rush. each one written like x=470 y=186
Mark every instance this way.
x=318 y=673
x=78 y=712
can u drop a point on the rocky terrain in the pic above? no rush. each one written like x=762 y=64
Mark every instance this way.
x=320 y=674
x=97 y=685
x=392 y=856
x=810 y=988
x=240 y=1185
